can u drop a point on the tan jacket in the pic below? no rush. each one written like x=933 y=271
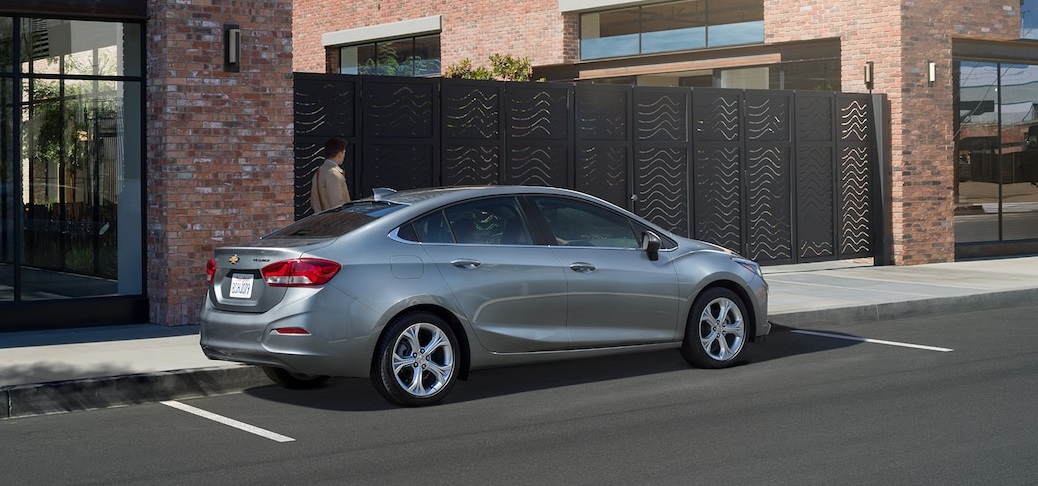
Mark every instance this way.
x=328 y=187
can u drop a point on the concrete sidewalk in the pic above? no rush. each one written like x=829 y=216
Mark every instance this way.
x=65 y=370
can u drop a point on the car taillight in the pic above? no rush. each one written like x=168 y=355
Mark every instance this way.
x=300 y=272
x=210 y=270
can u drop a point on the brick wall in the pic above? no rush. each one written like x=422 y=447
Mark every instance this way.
x=219 y=144
x=473 y=29
x=900 y=37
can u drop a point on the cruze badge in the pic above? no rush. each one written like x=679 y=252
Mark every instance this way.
x=234 y=259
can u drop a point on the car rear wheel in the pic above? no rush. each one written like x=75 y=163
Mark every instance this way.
x=716 y=329
x=416 y=360
x=295 y=381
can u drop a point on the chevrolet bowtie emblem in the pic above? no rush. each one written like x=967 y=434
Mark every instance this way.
x=234 y=259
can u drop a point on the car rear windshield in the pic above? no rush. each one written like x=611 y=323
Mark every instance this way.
x=338 y=221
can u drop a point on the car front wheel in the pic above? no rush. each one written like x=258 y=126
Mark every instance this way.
x=416 y=360
x=716 y=329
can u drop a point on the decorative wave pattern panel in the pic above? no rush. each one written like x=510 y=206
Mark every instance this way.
x=399 y=110
x=779 y=175
x=767 y=118
x=307 y=160
x=662 y=187
x=398 y=166
x=537 y=166
x=471 y=112
x=601 y=113
x=324 y=109
x=815 y=203
x=854 y=121
x=471 y=165
x=770 y=235
x=602 y=172
x=855 y=211
x=717 y=118
x=718 y=200
x=661 y=117
x=814 y=116
x=541 y=114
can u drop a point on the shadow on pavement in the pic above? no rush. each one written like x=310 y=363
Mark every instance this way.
x=359 y=394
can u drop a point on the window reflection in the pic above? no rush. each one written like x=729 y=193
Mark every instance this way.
x=671 y=26
x=411 y=56
x=71 y=200
x=996 y=152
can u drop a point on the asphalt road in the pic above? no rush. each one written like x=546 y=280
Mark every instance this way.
x=802 y=409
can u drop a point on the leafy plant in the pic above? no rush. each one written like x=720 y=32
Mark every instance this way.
x=502 y=67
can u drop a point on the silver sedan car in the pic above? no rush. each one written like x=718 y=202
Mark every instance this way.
x=416 y=288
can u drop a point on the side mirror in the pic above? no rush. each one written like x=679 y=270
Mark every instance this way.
x=651 y=245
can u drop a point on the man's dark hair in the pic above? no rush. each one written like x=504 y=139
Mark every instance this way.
x=334 y=145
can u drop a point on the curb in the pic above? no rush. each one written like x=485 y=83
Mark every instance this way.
x=864 y=314
x=114 y=391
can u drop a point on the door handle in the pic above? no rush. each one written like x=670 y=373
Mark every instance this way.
x=464 y=263
x=582 y=267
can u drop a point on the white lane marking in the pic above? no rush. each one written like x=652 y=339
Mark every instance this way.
x=227 y=421
x=875 y=341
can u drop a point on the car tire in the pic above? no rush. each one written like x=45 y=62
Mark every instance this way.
x=295 y=381
x=416 y=361
x=716 y=332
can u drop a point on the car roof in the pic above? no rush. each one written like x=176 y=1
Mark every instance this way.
x=436 y=196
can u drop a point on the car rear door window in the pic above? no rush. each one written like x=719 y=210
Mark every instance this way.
x=578 y=223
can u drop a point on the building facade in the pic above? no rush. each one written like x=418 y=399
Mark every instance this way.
x=963 y=162
x=134 y=137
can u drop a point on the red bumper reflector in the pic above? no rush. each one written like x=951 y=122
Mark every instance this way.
x=298 y=331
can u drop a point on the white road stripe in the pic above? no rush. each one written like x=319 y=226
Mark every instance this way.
x=226 y=421
x=874 y=341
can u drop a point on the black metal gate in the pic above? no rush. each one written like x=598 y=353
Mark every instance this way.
x=780 y=176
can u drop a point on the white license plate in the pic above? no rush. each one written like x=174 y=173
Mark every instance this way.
x=241 y=286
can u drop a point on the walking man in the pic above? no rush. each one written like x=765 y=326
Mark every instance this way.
x=328 y=187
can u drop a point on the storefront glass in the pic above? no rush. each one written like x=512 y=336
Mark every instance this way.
x=996 y=152
x=70 y=138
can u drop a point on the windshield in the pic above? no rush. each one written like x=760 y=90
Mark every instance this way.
x=336 y=222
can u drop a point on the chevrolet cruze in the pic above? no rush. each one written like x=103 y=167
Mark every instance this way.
x=414 y=289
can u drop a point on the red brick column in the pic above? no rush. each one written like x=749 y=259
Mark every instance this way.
x=219 y=144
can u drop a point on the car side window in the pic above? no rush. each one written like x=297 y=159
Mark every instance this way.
x=578 y=223
x=490 y=221
x=431 y=228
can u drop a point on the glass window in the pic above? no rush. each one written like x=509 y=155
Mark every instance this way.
x=577 y=223
x=70 y=199
x=496 y=221
x=336 y=222
x=671 y=26
x=6 y=46
x=674 y=26
x=608 y=34
x=996 y=161
x=72 y=47
x=1029 y=19
x=736 y=22
x=410 y=56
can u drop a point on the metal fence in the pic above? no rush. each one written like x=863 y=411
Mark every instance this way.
x=780 y=176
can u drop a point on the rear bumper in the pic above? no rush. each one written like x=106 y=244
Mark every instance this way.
x=332 y=347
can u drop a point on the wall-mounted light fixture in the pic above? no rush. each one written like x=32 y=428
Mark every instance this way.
x=931 y=72
x=231 y=48
x=868 y=76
